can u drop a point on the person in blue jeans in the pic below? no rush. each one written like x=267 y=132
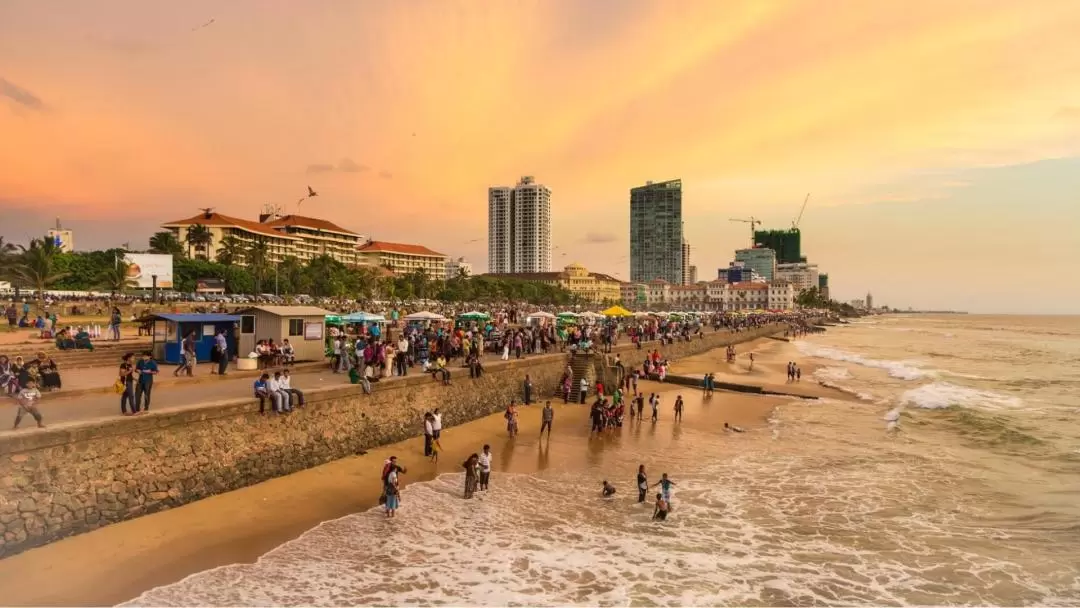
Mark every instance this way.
x=147 y=368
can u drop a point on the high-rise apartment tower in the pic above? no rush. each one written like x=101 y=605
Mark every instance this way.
x=656 y=232
x=519 y=228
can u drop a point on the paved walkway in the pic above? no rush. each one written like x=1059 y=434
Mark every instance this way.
x=106 y=405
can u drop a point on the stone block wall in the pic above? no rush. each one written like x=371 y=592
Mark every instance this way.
x=75 y=478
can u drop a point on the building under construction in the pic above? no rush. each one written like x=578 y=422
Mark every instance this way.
x=786 y=243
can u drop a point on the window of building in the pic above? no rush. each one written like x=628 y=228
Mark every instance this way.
x=296 y=327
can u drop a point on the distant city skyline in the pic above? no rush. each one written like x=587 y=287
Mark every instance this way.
x=931 y=135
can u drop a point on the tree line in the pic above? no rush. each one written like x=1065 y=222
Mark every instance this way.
x=248 y=269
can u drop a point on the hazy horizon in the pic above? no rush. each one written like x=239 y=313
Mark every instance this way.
x=940 y=142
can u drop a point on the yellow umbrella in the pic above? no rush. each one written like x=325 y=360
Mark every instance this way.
x=617 y=311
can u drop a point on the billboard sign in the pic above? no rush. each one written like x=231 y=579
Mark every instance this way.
x=142 y=267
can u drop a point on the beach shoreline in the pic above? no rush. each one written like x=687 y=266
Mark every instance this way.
x=240 y=526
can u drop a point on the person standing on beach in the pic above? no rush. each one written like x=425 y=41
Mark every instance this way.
x=436 y=425
x=655 y=400
x=429 y=433
x=751 y=362
x=640 y=406
x=678 y=408
x=470 y=466
x=642 y=483
x=511 y=419
x=527 y=389
x=798 y=374
x=127 y=380
x=547 y=415
x=484 y=462
x=392 y=491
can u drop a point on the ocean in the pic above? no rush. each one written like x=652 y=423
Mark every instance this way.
x=946 y=471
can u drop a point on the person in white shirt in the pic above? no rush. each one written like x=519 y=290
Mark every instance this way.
x=436 y=424
x=284 y=398
x=429 y=432
x=286 y=386
x=485 y=467
x=402 y=359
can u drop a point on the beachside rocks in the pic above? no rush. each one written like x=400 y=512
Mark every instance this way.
x=70 y=479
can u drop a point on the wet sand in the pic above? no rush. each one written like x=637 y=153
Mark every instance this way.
x=120 y=561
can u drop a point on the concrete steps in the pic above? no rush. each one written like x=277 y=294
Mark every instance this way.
x=580 y=363
x=103 y=355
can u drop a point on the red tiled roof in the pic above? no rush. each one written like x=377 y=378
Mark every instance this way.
x=749 y=285
x=225 y=221
x=309 y=222
x=398 y=248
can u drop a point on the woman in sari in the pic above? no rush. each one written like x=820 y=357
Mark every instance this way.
x=9 y=379
x=471 y=477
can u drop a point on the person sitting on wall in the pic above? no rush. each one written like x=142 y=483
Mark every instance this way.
x=285 y=382
x=440 y=368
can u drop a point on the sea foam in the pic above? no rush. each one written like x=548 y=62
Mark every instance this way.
x=897 y=369
x=939 y=395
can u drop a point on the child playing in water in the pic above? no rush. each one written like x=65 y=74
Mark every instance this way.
x=436 y=447
x=661 y=510
x=608 y=491
x=665 y=487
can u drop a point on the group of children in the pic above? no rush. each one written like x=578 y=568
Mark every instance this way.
x=794 y=372
x=662 y=506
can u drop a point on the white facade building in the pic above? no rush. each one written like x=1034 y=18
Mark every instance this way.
x=453 y=267
x=781 y=296
x=801 y=275
x=519 y=228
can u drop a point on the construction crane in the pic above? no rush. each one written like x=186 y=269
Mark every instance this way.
x=795 y=224
x=754 y=223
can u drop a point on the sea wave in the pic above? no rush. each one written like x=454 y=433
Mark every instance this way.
x=903 y=370
x=831 y=377
x=772 y=531
x=940 y=395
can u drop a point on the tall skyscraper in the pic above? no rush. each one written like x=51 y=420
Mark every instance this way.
x=656 y=232
x=500 y=229
x=519 y=228
x=532 y=226
x=686 y=280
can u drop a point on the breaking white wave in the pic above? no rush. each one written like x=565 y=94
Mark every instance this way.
x=897 y=369
x=939 y=395
x=831 y=377
x=772 y=531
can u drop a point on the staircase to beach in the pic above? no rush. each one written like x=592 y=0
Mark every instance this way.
x=580 y=366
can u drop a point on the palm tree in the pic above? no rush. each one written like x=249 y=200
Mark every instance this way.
x=165 y=242
x=117 y=279
x=199 y=237
x=36 y=265
x=258 y=258
x=231 y=251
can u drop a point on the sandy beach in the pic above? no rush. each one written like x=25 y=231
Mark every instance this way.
x=242 y=525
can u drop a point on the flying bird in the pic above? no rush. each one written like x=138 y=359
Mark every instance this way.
x=207 y=24
x=310 y=193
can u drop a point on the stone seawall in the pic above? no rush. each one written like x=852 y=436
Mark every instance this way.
x=74 y=478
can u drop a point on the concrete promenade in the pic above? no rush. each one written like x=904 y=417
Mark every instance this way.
x=90 y=401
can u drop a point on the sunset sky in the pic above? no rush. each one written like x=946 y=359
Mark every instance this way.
x=940 y=141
